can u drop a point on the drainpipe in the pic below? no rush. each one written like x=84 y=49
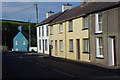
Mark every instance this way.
x=89 y=37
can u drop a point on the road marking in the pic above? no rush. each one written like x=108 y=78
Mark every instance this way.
x=64 y=73
x=41 y=64
x=20 y=57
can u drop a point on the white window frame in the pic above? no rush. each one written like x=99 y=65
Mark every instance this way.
x=97 y=23
x=23 y=42
x=51 y=30
x=16 y=42
x=98 y=47
x=85 y=20
x=61 y=28
x=61 y=45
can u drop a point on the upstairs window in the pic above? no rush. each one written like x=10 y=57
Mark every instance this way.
x=85 y=22
x=70 y=26
x=47 y=33
x=16 y=42
x=39 y=31
x=51 y=30
x=61 y=28
x=42 y=30
x=98 y=22
x=23 y=42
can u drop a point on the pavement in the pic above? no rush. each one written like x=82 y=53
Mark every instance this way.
x=28 y=65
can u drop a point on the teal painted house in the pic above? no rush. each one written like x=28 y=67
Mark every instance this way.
x=20 y=40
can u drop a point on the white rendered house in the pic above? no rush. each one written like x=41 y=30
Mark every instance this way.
x=43 y=35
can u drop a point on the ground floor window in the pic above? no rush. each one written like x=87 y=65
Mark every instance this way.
x=86 y=45
x=51 y=44
x=99 y=47
x=61 y=45
x=45 y=44
x=39 y=44
x=71 y=45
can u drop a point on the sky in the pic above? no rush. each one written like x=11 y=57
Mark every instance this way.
x=22 y=11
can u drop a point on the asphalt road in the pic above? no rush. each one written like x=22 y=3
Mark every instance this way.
x=21 y=65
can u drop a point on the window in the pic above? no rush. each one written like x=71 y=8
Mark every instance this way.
x=47 y=31
x=39 y=31
x=70 y=26
x=51 y=44
x=86 y=45
x=99 y=47
x=85 y=22
x=23 y=42
x=71 y=45
x=40 y=44
x=61 y=45
x=16 y=49
x=16 y=42
x=45 y=44
x=61 y=28
x=42 y=30
x=98 y=22
x=51 y=30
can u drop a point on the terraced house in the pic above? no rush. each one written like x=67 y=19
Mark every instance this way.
x=69 y=35
x=89 y=32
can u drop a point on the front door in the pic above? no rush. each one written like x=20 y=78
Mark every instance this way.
x=111 y=51
x=78 y=48
x=56 y=47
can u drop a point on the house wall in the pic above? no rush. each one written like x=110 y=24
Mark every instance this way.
x=20 y=37
x=45 y=37
x=77 y=33
x=58 y=36
x=110 y=28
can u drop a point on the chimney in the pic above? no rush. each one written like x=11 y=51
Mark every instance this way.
x=66 y=6
x=84 y=2
x=20 y=28
x=48 y=14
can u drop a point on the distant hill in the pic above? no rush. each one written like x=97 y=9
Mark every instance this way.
x=12 y=28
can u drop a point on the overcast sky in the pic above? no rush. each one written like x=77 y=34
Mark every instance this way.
x=21 y=11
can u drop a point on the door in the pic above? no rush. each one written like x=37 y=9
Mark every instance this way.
x=111 y=51
x=43 y=46
x=78 y=48
x=56 y=47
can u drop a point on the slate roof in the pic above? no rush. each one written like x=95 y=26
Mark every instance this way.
x=88 y=8
x=49 y=19
x=26 y=34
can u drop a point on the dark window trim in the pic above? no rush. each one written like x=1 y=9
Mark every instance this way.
x=85 y=29
x=70 y=31
x=71 y=51
x=85 y=52
x=98 y=33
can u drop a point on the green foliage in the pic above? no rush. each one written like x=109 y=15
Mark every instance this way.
x=33 y=42
x=11 y=29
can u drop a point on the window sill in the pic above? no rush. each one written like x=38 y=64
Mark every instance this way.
x=86 y=52
x=85 y=29
x=100 y=57
x=70 y=31
x=60 y=32
x=71 y=51
x=98 y=32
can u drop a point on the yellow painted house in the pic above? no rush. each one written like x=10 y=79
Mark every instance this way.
x=68 y=35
